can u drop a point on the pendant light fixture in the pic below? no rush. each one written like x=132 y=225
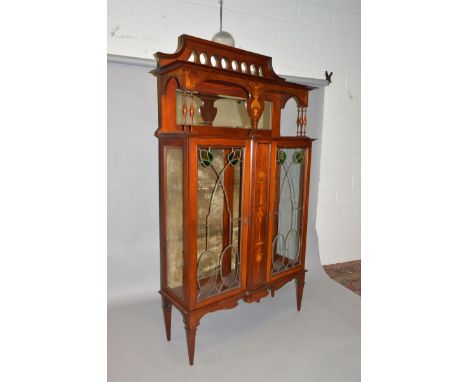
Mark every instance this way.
x=223 y=37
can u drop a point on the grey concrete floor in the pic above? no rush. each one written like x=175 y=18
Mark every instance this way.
x=253 y=342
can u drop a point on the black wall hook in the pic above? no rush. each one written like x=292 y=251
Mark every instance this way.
x=328 y=76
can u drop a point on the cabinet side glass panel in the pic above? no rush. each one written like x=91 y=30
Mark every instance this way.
x=219 y=216
x=289 y=208
x=174 y=219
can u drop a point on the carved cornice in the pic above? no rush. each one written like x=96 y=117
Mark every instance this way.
x=190 y=46
x=190 y=73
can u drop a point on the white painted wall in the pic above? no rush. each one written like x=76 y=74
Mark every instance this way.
x=305 y=38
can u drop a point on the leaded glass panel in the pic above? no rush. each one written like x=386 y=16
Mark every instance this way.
x=289 y=209
x=219 y=216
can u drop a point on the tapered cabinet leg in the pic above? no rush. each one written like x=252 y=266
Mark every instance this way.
x=190 y=333
x=191 y=325
x=299 y=289
x=167 y=310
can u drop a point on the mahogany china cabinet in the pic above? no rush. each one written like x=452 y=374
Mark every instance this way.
x=233 y=191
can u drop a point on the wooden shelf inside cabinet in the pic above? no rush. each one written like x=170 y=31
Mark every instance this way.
x=233 y=191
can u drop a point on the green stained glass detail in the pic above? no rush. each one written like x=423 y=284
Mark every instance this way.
x=298 y=157
x=234 y=157
x=205 y=158
x=281 y=157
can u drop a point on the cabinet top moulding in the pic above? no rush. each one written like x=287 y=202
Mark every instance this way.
x=199 y=63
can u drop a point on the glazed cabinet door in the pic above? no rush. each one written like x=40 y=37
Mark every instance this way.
x=219 y=209
x=289 y=215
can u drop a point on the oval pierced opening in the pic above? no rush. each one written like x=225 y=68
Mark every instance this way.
x=214 y=61
x=260 y=71
x=253 y=70
x=244 y=67
x=224 y=63
x=235 y=65
x=193 y=57
x=203 y=58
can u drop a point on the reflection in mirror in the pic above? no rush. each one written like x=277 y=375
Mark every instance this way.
x=219 y=111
